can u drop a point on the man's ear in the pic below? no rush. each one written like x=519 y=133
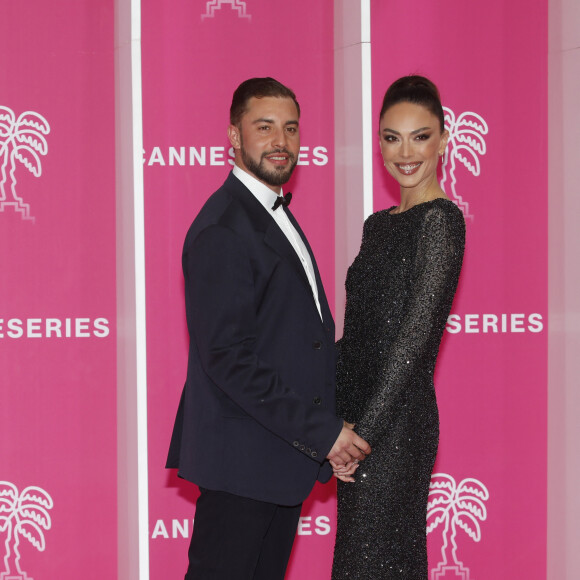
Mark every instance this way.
x=234 y=136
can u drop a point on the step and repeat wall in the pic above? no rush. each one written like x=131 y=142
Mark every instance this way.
x=487 y=511
x=487 y=514
x=58 y=502
x=58 y=424
x=194 y=56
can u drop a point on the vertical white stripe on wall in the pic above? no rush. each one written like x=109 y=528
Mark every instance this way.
x=367 y=108
x=141 y=342
x=133 y=525
x=353 y=137
x=563 y=293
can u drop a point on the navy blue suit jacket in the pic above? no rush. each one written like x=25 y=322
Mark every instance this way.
x=257 y=413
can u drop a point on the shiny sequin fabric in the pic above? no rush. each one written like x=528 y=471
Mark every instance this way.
x=399 y=293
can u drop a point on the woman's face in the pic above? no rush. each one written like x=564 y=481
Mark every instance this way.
x=411 y=143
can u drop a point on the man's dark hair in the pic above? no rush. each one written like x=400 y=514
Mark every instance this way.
x=258 y=88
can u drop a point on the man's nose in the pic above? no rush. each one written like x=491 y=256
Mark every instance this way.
x=279 y=138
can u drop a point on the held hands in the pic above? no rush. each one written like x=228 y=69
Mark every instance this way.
x=345 y=472
x=346 y=452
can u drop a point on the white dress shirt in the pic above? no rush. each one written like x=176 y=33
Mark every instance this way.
x=267 y=198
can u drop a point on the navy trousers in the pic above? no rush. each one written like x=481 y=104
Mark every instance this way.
x=237 y=538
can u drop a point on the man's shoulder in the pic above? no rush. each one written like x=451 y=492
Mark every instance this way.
x=232 y=206
x=216 y=204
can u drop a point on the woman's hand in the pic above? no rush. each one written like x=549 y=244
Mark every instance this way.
x=345 y=472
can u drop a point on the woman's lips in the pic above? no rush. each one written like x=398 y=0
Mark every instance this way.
x=408 y=168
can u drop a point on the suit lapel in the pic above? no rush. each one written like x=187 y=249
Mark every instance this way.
x=277 y=240
x=263 y=222
x=324 y=307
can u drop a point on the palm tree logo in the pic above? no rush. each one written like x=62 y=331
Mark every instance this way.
x=466 y=143
x=455 y=506
x=25 y=515
x=213 y=5
x=21 y=139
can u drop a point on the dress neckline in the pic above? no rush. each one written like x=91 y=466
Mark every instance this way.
x=423 y=203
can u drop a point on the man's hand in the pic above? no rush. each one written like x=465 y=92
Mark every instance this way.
x=345 y=472
x=348 y=447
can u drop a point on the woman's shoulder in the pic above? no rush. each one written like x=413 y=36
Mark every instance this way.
x=443 y=225
x=443 y=210
x=376 y=220
x=433 y=213
x=380 y=214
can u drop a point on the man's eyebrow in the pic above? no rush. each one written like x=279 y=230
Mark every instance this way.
x=271 y=121
x=386 y=129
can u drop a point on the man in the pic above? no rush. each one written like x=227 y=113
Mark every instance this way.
x=256 y=421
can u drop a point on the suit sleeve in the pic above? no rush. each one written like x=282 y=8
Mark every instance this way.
x=222 y=317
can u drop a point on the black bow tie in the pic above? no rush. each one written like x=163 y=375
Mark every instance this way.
x=282 y=200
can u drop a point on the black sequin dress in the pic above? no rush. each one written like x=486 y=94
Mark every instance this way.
x=399 y=293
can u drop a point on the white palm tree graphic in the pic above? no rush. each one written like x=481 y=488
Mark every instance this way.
x=21 y=139
x=466 y=142
x=238 y=5
x=457 y=506
x=24 y=515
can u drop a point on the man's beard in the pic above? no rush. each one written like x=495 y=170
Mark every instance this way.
x=277 y=175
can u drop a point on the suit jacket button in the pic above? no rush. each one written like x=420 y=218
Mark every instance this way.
x=308 y=450
x=302 y=447
x=317 y=345
x=314 y=454
x=296 y=443
x=317 y=400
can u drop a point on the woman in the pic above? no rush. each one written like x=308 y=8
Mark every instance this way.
x=399 y=293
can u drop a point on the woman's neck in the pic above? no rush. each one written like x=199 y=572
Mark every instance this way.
x=414 y=196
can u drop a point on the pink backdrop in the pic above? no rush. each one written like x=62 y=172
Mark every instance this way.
x=489 y=59
x=192 y=64
x=492 y=372
x=57 y=289
x=57 y=247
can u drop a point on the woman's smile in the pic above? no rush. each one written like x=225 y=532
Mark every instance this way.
x=408 y=168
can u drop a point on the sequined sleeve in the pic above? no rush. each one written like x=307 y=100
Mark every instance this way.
x=434 y=281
